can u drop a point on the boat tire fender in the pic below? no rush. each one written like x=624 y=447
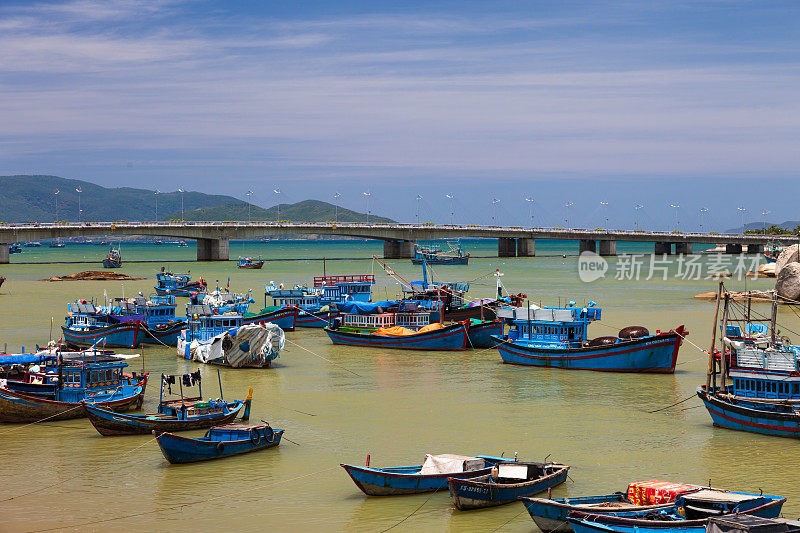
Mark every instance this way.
x=602 y=341
x=220 y=447
x=255 y=436
x=633 y=332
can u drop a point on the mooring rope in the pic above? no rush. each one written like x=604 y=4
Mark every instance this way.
x=412 y=513
x=501 y=526
x=324 y=358
x=7 y=430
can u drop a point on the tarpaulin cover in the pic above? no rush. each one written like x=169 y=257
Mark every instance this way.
x=482 y=301
x=394 y=331
x=654 y=492
x=363 y=308
x=450 y=464
x=23 y=359
x=430 y=327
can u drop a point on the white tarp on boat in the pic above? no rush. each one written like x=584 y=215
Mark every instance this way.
x=450 y=464
x=251 y=345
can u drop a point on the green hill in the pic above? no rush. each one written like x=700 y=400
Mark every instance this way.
x=33 y=199
x=305 y=211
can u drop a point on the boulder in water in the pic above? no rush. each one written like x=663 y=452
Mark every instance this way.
x=633 y=332
x=788 y=281
x=788 y=255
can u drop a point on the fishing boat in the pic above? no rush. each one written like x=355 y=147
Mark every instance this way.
x=690 y=513
x=556 y=337
x=156 y=315
x=551 y=515
x=54 y=387
x=33 y=244
x=755 y=386
x=182 y=244
x=283 y=317
x=223 y=301
x=431 y=475
x=506 y=484
x=88 y=325
x=178 y=285
x=406 y=327
x=113 y=259
x=436 y=255
x=225 y=339
x=484 y=333
x=15 y=248
x=218 y=442
x=180 y=414
x=57 y=244
x=2 y=279
x=249 y=262
x=315 y=305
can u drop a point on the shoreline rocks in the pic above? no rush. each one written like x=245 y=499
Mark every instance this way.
x=93 y=275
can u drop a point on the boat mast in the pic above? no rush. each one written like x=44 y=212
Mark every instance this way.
x=723 y=360
x=773 y=318
x=711 y=369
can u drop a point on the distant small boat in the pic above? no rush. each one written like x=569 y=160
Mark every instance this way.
x=15 y=249
x=436 y=255
x=218 y=442
x=33 y=244
x=430 y=476
x=506 y=484
x=57 y=244
x=113 y=259
x=2 y=279
x=248 y=262
x=158 y=242
x=182 y=244
x=169 y=284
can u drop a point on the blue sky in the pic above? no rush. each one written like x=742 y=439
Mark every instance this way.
x=650 y=103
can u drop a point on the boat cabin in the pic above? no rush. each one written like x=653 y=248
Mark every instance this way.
x=553 y=327
x=204 y=324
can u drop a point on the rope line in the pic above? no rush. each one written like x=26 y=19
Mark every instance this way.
x=42 y=419
x=412 y=513
x=323 y=358
x=501 y=526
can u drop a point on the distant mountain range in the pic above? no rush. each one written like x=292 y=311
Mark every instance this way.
x=754 y=226
x=34 y=199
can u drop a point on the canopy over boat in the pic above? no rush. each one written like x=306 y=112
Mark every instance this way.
x=450 y=464
x=364 y=308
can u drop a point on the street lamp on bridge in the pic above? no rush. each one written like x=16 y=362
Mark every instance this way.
x=703 y=211
x=530 y=208
x=636 y=209
x=450 y=197
x=419 y=198
x=56 y=195
x=367 y=195
x=277 y=192
x=495 y=201
x=180 y=190
x=336 y=206
x=249 y=194
x=676 y=207
x=566 y=208
x=604 y=204
x=79 y=190
x=155 y=194
x=742 y=210
x=764 y=214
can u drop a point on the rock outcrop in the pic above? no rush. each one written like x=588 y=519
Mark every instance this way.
x=787 y=282
x=789 y=255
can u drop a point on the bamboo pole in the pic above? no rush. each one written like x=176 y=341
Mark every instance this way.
x=710 y=368
x=723 y=361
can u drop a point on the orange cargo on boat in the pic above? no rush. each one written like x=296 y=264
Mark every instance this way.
x=654 y=492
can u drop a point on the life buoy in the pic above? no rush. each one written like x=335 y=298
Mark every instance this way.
x=255 y=436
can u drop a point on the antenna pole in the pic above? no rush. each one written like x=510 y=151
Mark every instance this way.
x=711 y=366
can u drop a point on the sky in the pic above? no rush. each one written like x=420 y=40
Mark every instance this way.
x=692 y=104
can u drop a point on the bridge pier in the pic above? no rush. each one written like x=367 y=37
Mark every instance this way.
x=212 y=249
x=397 y=249
x=755 y=248
x=526 y=247
x=4 y=255
x=663 y=248
x=733 y=248
x=608 y=248
x=587 y=246
x=506 y=247
x=683 y=248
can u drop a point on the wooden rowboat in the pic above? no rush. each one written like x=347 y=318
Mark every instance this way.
x=218 y=442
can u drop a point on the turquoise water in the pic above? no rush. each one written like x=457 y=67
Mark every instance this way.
x=395 y=405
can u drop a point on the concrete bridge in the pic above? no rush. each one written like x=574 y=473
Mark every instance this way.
x=513 y=241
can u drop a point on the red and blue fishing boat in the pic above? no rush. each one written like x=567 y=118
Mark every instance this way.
x=113 y=259
x=218 y=442
x=181 y=414
x=689 y=514
x=155 y=314
x=755 y=387
x=250 y=263
x=556 y=337
x=88 y=325
x=55 y=387
x=435 y=254
x=431 y=475
x=506 y=484
x=283 y=317
x=170 y=284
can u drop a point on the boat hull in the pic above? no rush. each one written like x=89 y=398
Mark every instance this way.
x=481 y=335
x=109 y=423
x=466 y=313
x=252 y=266
x=183 y=292
x=306 y=319
x=179 y=450
x=285 y=318
x=168 y=335
x=655 y=354
x=463 y=260
x=742 y=418
x=122 y=335
x=448 y=338
x=382 y=482
x=107 y=263
x=16 y=406
x=476 y=493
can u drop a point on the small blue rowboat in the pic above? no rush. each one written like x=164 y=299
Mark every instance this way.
x=283 y=317
x=430 y=476
x=655 y=353
x=452 y=337
x=505 y=485
x=689 y=514
x=218 y=442
x=481 y=333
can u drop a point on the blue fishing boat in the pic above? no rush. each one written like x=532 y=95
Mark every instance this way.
x=483 y=334
x=2 y=279
x=755 y=386
x=689 y=514
x=315 y=304
x=506 y=484
x=223 y=301
x=170 y=284
x=181 y=414
x=250 y=263
x=430 y=476
x=56 y=385
x=15 y=248
x=435 y=254
x=225 y=339
x=218 y=442
x=113 y=259
x=551 y=515
x=156 y=315
x=556 y=337
x=88 y=325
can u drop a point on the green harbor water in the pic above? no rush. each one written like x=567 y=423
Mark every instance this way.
x=338 y=404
